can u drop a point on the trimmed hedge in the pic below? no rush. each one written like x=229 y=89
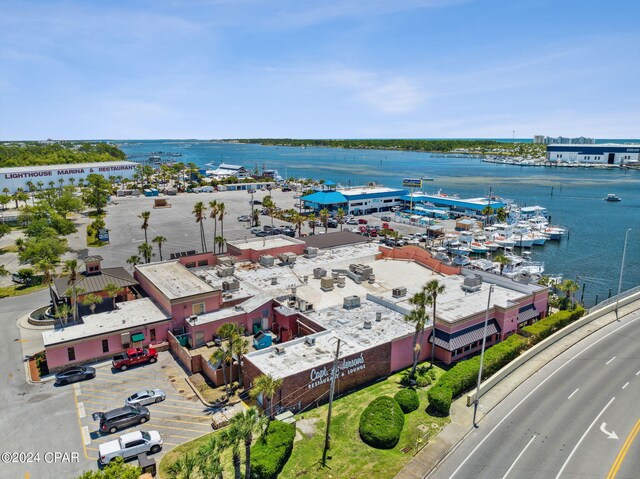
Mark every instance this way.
x=381 y=423
x=440 y=397
x=546 y=327
x=408 y=400
x=272 y=450
x=464 y=375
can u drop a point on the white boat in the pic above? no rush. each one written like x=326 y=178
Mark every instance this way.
x=477 y=248
x=458 y=248
x=612 y=197
x=490 y=245
x=461 y=260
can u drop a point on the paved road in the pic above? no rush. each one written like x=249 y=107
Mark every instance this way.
x=576 y=418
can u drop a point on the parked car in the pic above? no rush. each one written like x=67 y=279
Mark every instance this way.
x=256 y=230
x=396 y=208
x=148 y=396
x=386 y=218
x=257 y=202
x=267 y=228
x=362 y=221
x=121 y=417
x=130 y=445
x=244 y=218
x=133 y=357
x=72 y=375
x=332 y=224
x=352 y=221
x=373 y=233
x=385 y=226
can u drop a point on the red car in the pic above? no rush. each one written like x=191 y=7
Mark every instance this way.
x=373 y=233
x=133 y=357
x=362 y=221
x=385 y=226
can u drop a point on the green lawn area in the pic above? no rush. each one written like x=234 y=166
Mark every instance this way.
x=9 y=249
x=19 y=289
x=349 y=456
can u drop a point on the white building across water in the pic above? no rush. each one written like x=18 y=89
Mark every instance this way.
x=20 y=176
x=604 y=153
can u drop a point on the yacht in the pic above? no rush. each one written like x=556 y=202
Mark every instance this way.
x=612 y=197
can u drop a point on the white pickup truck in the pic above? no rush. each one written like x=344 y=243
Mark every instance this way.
x=130 y=445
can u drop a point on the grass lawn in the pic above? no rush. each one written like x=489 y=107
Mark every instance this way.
x=9 y=249
x=349 y=456
x=19 y=289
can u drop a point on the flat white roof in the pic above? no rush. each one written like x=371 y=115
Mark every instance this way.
x=369 y=191
x=66 y=166
x=128 y=315
x=174 y=280
x=264 y=243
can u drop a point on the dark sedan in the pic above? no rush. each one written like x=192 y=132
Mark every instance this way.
x=72 y=375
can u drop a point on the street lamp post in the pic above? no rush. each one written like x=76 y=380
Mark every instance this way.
x=252 y=191
x=484 y=342
x=624 y=253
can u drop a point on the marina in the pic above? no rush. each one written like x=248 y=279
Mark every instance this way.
x=590 y=253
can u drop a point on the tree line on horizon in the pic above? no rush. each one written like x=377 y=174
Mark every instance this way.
x=382 y=144
x=35 y=154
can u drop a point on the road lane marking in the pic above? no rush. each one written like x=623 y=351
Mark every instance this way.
x=76 y=386
x=571 y=395
x=623 y=452
x=609 y=360
x=638 y=373
x=625 y=385
x=610 y=435
x=519 y=456
x=84 y=447
x=506 y=416
x=573 y=451
x=81 y=411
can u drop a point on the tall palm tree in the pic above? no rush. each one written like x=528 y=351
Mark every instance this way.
x=255 y=218
x=200 y=212
x=214 y=216
x=145 y=223
x=501 y=215
x=270 y=206
x=208 y=457
x=433 y=288
x=92 y=300
x=222 y=356
x=134 y=260
x=113 y=290
x=569 y=287
x=231 y=332
x=297 y=220
x=231 y=437
x=240 y=347
x=248 y=422
x=48 y=268
x=72 y=268
x=267 y=386
x=324 y=218
x=146 y=251
x=221 y=213
x=340 y=217
x=419 y=317
x=184 y=467
x=503 y=261
x=159 y=240
x=63 y=313
x=219 y=243
x=312 y=222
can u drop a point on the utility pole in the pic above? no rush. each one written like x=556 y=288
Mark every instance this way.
x=327 y=436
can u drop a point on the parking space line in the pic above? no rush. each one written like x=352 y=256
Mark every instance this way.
x=93 y=449
x=178 y=413
x=156 y=407
x=75 y=400
x=208 y=424
x=86 y=437
x=81 y=411
x=158 y=426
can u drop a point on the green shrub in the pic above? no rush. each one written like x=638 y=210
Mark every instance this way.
x=546 y=327
x=408 y=400
x=272 y=450
x=381 y=423
x=440 y=399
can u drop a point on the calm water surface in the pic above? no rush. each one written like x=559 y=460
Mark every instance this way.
x=573 y=196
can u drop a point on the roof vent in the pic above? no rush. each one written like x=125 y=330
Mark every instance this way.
x=399 y=292
x=280 y=350
x=378 y=316
x=310 y=341
x=351 y=302
x=367 y=324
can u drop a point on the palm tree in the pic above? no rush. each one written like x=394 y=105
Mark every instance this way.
x=48 y=268
x=487 y=211
x=134 y=260
x=63 y=313
x=113 y=290
x=222 y=356
x=340 y=217
x=297 y=220
x=232 y=333
x=221 y=213
x=569 y=287
x=267 y=387
x=312 y=222
x=433 y=288
x=231 y=437
x=199 y=211
x=241 y=347
x=219 y=243
x=503 y=261
x=419 y=317
x=92 y=300
x=208 y=457
x=184 y=467
x=71 y=268
x=145 y=223
x=501 y=215
x=248 y=422
x=159 y=240
x=270 y=206
x=324 y=218
x=214 y=215
x=255 y=218
x=146 y=251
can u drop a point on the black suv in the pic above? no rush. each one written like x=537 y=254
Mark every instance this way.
x=120 y=418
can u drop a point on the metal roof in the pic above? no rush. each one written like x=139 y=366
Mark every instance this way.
x=96 y=282
x=325 y=198
x=460 y=339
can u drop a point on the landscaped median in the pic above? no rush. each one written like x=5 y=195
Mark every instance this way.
x=349 y=455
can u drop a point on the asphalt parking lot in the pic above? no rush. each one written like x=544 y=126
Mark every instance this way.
x=180 y=418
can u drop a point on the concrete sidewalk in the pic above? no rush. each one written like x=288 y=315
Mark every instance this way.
x=462 y=416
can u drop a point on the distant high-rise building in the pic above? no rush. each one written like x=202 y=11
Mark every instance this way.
x=561 y=140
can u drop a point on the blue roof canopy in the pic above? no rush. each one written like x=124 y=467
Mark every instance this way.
x=325 y=198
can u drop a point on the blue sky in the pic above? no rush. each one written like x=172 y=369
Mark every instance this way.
x=318 y=69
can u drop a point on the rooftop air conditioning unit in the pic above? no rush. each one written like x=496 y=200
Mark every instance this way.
x=351 y=302
x=288 y=258
x=267 y=260
x=232 y=285
x=399 y=292
x=319 y=273
x=310 y=252
x=367 y=324
x=472 y=283
x=280 y=350
x=310 y=341
x=326 y=284
x=224 y=271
